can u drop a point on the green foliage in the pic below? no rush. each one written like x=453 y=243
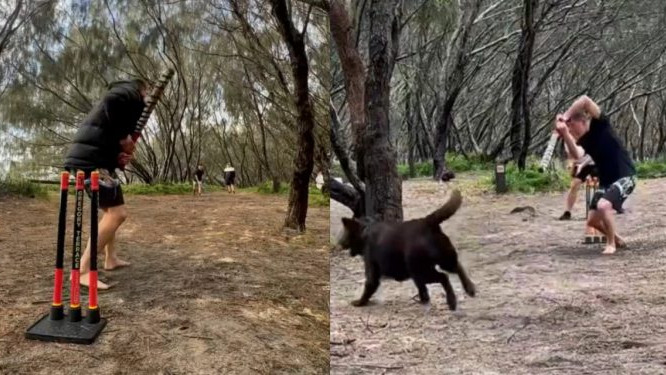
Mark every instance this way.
x=22 y=188
x=459 y=163
x=423 y=169
x=315 y=197
x=532 y=181
x=651 y=169
x=164 y=189
x=267 y=188
x=455 y=162
x=318 y=199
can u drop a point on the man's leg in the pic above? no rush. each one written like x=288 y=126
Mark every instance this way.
x=112 y=261
x=572 y=196
x=602 y=220
x=112 y=219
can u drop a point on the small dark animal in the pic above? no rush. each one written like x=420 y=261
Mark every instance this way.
x=448 y=176
x=407 y=250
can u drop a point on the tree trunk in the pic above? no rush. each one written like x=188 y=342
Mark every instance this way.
x=455 y=66
x=441 y=137
x=354 y=73
x=411 y=142
x=304 y=160
x=383 y=184
x=520 y=111
x=348 y=196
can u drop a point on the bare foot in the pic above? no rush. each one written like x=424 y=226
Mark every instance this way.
x=113 y=263
x=610 y=249
x=85 y=281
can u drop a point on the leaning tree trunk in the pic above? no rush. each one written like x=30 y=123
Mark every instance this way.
x=354 y=74
x=454 y=84
x=411 y=141
x=304 y=160
x=520 y=111
x=383 y=184
x=441 y=137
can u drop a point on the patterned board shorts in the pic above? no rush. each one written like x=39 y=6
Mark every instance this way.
x=617 y=193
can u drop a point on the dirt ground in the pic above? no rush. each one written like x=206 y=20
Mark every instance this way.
x=214 y=287
x=546 y=304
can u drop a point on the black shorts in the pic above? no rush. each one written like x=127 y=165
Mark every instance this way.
x=617 y=193
x=108 y=196
x=588 y=170
x=229 y=179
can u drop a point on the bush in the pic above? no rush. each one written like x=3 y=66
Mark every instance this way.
x=22 y=188
x=317 y=198
x=651 y=169
x=455 y=162
x=267 y=188
x=531 y=180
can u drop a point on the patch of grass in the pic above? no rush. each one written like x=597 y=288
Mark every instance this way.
x=267 y=188
x=164 y=189
x=22 y=188
x=315 y=197
x=318 y=199
x=651 y=169
x=532 y=181
x=455 y=162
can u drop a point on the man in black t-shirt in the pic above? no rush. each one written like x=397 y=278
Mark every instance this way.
x=585 y=122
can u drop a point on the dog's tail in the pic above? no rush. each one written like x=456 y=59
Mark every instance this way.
x=447 y=210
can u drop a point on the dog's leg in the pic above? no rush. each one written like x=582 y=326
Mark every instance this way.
x=468 y=285
x=443 y=279
x=424 y=297
x=372 y=278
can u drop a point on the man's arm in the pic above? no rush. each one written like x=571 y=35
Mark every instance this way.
x=569 y=141
x=584 y=103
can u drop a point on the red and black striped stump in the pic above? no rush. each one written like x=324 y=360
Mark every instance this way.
x=72 y=327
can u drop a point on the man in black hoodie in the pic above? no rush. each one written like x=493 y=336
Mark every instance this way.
x=104 y=141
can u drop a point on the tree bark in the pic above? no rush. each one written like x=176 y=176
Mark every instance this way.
x=348 y=196
x=455 y=76
x=411 y=142
x=520 y=111
x=354 y=74
x=383 y=184
x=304 y=160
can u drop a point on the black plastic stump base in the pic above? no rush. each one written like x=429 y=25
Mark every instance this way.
x=63 y=330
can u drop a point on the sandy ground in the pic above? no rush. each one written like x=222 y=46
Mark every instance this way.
x=214 y=287
x=546 y=304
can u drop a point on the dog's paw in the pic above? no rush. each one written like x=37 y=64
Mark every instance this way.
x=471 y=290
x=452 y=302
x=359 y=303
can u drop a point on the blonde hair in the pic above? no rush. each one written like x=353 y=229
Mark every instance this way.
x=580 y=116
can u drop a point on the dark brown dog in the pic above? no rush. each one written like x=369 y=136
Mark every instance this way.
x=407 y=250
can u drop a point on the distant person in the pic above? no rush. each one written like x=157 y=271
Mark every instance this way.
x=103 y=141
x=585 y=122
x=198 y=180
x=230 y=178
x=580 y=170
